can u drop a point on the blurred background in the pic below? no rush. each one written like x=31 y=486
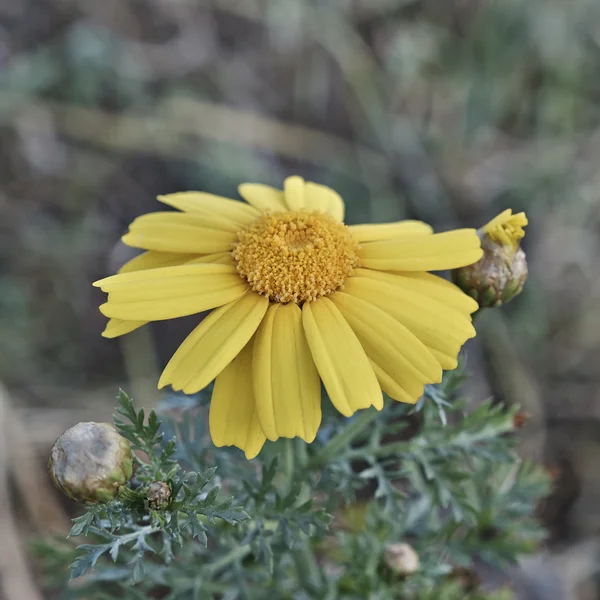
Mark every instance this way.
x=447 y=111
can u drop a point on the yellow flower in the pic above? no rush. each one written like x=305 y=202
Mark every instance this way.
x=507 y=228
x=298 y=298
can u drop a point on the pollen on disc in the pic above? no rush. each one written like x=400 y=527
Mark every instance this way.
x=295 y=256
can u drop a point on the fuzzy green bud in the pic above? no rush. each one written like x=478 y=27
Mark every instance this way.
x=90 y=462
x=501 y=273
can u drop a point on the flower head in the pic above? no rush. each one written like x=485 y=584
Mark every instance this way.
x=297 y=298
x=90 y=461
x=502 y=271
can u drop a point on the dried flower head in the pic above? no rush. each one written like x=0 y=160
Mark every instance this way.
x=90 y=461
x=158 y=495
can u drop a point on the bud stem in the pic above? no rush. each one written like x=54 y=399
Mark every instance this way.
x=130 y=497
x=342 y=439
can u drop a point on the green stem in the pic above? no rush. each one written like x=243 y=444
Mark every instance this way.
x=288 y=461
x=306 y=565
x=232 y=556
x=476 y=314
x=342 y=439
x=130 y=497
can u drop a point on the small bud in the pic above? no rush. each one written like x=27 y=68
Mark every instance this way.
x=158 y=495
x=402 y=559
x=501 y=273
x=89 y=462
x=520 y=419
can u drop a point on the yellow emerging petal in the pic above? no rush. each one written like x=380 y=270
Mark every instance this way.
x=286 y=382
x=232 y=211
x=263 y=197
x=507 y=228
x=116 y=327
x=320 y=197
x=180 y=232
x=214 y=344
x=424 y=252
x=170 y=292
x=341 y=361
x=293 y=191
x=233 y=419
x=390 y=344
x=388 y=231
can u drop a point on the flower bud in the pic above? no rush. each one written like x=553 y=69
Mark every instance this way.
x=89 y=462
x=501 y=273
x=158 y=495
x=520 y=419
x=402 y=559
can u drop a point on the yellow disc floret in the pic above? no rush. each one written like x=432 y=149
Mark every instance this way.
x=295 y=256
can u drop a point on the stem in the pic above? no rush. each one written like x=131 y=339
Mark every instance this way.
x=342 y=439
x=130 y=497
x=476 y=314
x=288 y=461
x=129 y=537
x=233 y=555
x=306 y=565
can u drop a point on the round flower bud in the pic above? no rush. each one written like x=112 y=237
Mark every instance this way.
x=402 y=559
x=158 y=495
x=89 y=462
x=501 y=273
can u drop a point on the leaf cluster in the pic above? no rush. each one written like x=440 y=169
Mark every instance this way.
x=314 y=521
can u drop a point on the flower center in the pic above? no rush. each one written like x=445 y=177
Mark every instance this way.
x=295 y=256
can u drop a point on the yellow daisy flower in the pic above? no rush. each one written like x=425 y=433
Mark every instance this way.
x=297 y=298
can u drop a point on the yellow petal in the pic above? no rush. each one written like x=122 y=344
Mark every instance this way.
x=233 y=420
x=263 y=197
x=233 y=211
x=124 y=280
x=179 y=232
x=436 y=324
x=214 y=344
x=116 y=327
x=341 y=361
x=293 y=189
x=435 y=252
x=393 y=389
x=286 y=382
x=434 y=286
x=220 y=258
x=320 y=197
x=389 y=344
x=388 y=231
x=170 y=292
x=155 y=260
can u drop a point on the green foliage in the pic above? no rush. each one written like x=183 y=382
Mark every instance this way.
x=437 y=476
